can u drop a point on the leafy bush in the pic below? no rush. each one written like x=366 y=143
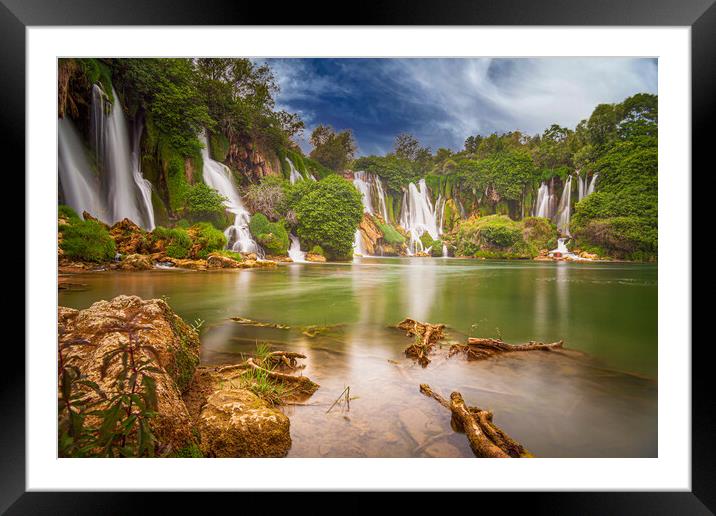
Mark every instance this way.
x=390 y=234
x=494 y=236
x=65 y=212
x=317 y=249
x=272 y=236
x=436 y=246
x=328 y=215
x=203 y=203
x=206 y=239
x=540 y=232
x=86 y=240
x=178 y=242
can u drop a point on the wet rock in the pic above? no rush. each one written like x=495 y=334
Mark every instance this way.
x=442 y=449
x=168 y=342
x=136 y=262
x=370 y=233
x=185 y=263
x=218 y=261
x=311 y=257
x=129 y=238
x=237 y=423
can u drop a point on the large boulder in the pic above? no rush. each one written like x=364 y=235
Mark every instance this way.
x=136 y=262
x=370 y=234
x=218 y=261
x=129 y=238
x=166 y=340
x=237 y=423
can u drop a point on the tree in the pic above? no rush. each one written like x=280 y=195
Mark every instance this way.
x=328 y=216
x=203 y=203
x=406 y=146
x=331 y=149
x=639 y=116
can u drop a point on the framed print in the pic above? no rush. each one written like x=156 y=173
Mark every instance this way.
x=326 y=257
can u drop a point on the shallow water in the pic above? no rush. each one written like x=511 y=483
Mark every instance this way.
x=598 y=403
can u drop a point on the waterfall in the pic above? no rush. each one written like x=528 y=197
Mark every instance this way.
x=114 y=156
x=543 y=201
x=79 y=184
x=564 y=208
x=368 y=185
x=144 y=185
x=417 y=216
x=358 y=244
x=592 y=184
x=295 y=252
x=218 y=176
x=295 y=174
x=361 y=183
x=581 y=188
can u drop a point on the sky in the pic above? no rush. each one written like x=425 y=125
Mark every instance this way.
x=443 y=101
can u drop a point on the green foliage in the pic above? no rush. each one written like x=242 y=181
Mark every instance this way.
x=504 y=174
x=124 y=413
x=86 y=240
x=621 y=216
x=328 y=215
x=332 y=149
x=230 y=254
x=272 y=236
x=494 y=236
x=206 y=239
x=178 y=241
x=218 y=146
x=436 y=246
x=166 y=89
x=540 y=232
x=317 y=249
x=397 y=172
x=203 y=203
x=390 y=234
x=65 y=212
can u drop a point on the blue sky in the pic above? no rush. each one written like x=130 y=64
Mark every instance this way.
x=442 y=101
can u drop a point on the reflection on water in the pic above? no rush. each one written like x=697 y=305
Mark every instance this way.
x=557 y=405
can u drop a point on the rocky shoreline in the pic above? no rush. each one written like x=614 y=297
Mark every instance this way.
x=200 y=411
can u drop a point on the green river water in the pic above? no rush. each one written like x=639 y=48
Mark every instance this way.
x=601 y=402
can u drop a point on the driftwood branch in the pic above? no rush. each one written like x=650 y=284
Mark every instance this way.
x=486 y=439
x=479 y=348
x=426 y=336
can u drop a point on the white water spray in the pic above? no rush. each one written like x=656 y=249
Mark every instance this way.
x=418 y=216
x=144 y=185
x=294 y=252
x=80 y=186
x=218 y=176
x=564 y=208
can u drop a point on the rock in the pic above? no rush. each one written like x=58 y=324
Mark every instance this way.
x=218 y=261
x=129 y=238
x=252 y=256
x=170 y=343
x=588 y=256
x=87 y=216
x=253 y=264
x=136 y=262
x=442 y=450
x=370 y=233
x=237 y=423
x=311 y=257
x=185 y=263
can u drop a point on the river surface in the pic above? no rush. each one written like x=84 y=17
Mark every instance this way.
x=599 y=400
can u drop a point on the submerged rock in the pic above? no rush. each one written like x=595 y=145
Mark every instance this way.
x=167 y=341
x=237 y=423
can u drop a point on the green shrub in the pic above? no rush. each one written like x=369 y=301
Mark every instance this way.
x=65 y=212
x=206 y=239
x=182 y=223
x=272 y=236
x=390 y=234
x=328 y=215
x=178 y=241
x=86 y=240
x=317 y=249
x=268 y=197
x=540 y=232
x=495 y=236
x=204 y=204
x=435 y=245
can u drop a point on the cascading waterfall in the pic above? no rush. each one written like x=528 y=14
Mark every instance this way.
x=294 y=252
x=543 y=198
x=368 y=184
x=417 y=216
x=592 y=184
x=295 y=175
x=80 y=186
x=564 y=208
x=581 y=187
x=144 y=185
x=126 y=197
x=218 y=176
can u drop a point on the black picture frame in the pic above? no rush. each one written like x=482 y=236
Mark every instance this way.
x=700 y=15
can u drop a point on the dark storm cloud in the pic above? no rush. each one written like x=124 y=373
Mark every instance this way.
x=442 y=101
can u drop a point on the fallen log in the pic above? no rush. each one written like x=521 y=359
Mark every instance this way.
x=426 y=336
x=480 y=348
x=486 y=439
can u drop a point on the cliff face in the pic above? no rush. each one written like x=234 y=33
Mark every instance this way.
x=249 y=159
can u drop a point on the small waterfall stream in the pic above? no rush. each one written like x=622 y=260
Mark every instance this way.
x=564 y=208
x=218 y=176
x=294 y=252
x=144 y=185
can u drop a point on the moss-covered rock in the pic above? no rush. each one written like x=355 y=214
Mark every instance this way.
x=83 y=240
x=272 y=236
x=499 y=237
